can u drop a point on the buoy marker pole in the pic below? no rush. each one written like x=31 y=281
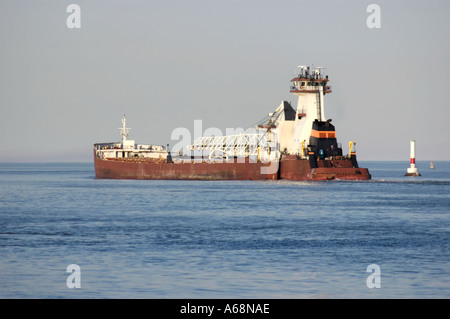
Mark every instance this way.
x=412 y=169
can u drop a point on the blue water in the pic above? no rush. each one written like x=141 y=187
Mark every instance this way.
x=223 y=239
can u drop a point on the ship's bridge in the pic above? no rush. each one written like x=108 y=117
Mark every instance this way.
x=308 y=81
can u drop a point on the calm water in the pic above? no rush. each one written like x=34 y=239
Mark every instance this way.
x=197 y=239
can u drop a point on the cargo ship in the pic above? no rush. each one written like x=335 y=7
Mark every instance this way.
x=288 y=144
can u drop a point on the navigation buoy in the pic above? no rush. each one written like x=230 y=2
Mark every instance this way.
x=412 y=169
x=431 y=165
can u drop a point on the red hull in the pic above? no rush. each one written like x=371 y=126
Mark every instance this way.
x=295 y=169
x=289 y=168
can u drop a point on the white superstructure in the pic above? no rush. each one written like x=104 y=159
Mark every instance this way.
x=129 y=149
x=261 y=146
x=310 y=86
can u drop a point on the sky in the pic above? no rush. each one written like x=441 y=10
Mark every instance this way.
x=168 y=63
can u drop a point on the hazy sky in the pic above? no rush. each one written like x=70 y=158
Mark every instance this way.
x=167 y=63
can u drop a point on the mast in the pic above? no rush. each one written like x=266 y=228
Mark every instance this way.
x=124 y=130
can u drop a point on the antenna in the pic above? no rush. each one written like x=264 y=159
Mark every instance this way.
x=302 y=68
x=319 y=69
